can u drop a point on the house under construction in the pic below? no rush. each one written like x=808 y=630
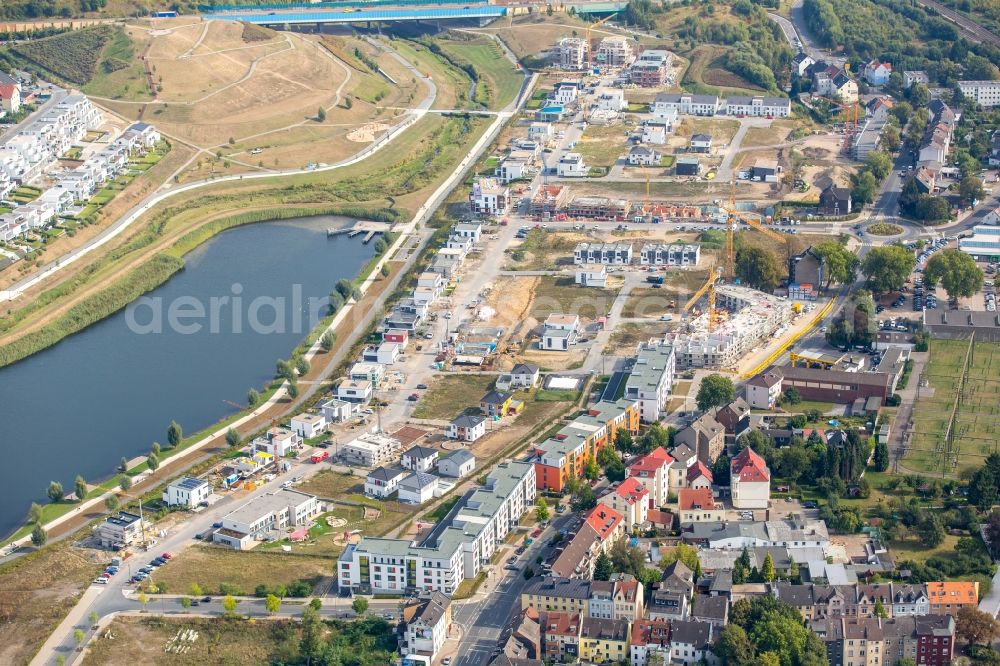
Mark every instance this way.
x=600 y=208
x=549 y=199
x=753 y=317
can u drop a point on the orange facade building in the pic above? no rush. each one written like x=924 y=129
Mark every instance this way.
x=565 y=454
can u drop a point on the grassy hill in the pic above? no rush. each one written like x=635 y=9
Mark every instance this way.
x=72 y=56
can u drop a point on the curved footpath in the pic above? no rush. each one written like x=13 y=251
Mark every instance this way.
x=124 y=222
x=61 y=640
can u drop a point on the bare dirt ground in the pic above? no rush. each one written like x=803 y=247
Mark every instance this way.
x=367 y=133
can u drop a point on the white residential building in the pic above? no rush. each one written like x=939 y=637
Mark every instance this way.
x=419 y=458
x=643 y=156
x=266 y=514
x=615 y=51
x=763 y=390
x=489 y=197
x=651 y=380
x=655 y=133
x=417 y=488
x=457 y=464
x=359 y=392
x=308 y=426
x=592 y=277
x=915 y=76
x=426 y=627
x=571 y=165
x=370 y=450
x=278 y=442
x=457 y=549
x=382 y=482
x=611 y=99
x=750 y=481
x=772 y=107
x=187 y=492
x=467 y=428
x=338 y=411
x=984 y=93
x=611 y=254
x=660 y=254
x=877 y=73
x=687 y=104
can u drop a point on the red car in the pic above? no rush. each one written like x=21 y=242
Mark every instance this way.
x=166 y=556
x=536 y=534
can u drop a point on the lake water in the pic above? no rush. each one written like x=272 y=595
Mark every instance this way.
x=205 y=337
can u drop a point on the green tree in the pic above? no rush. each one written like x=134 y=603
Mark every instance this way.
x=253 y=397
x=384 y=270
x=55 y=491
x=359 y=605
x=185 y=602
x=887 y=267
x=293 y=389
x=142 y=599
x=733 y=646
x=284 y=370
x=758 y=267
x=229 y=604
x=541 y=509
x=125 y=482
x=590 y=469
x=583 y=498
x=975 y=626
x=841 y=264
x=864 y=189
x=891 y=139
x=311 y=642
x=930 y=529
x=38 y=536
x=715 y=391
x=348 y=102
x=195 y=590
x=272 y=604
x=155 y=449
x=93 y=617
x=344 y=287
x=880 y=461
x=791 y=396
x=316 y=604
x=326 y=342
x=111 y=503
x=153 y=462
x=624 y=441
x=879 y=610
x=321 y=114
x=123 y=465
x=78 y=636
x=767 y=569
x=232 y=438
x=35 y=513
x=741 y=568
x=956 y=271
x=879 y=164
x=301 y=365
x=603 y=567
x=970 y=190
x=174 y=434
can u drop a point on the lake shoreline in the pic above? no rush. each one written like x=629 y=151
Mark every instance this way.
x=119 y=294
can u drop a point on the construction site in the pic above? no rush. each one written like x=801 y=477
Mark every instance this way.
x=720 y=337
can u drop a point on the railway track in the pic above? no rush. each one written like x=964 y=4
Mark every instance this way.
x=965 y=24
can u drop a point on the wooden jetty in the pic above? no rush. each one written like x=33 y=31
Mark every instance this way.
x=366 y=227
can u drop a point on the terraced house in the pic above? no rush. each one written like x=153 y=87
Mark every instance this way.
x=457 y=548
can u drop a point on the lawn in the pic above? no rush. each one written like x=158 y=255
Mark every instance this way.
x=977 y=426
x=329 y=484
x=36 y=592
x=916 y=550
x=602 y=145
x=242 y=571
x=144 y=641
x=451 y=395
x=498 y=81
x=768 y=136
x=561 y=295
x=721 y=131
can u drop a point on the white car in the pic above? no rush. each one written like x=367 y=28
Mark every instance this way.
x=823 y=330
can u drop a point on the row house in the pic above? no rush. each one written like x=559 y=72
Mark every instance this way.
x=601 y=529
x=675 y=254
x=758 y=105
x=687 y=104
x=455 y=550
x=617 y=254
x=926 y=640
x=815 y=601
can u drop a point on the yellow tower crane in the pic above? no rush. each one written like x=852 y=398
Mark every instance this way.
x=590 y=46
x=709 y=288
